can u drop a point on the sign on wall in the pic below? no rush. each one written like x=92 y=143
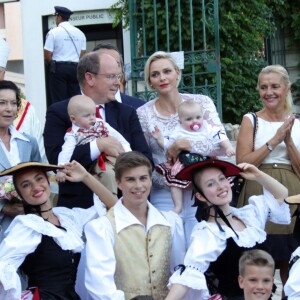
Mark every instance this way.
x=88 y=17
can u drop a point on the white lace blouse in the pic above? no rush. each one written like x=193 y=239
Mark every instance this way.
x=208 y=242
x=265 y=131
x=25 y=234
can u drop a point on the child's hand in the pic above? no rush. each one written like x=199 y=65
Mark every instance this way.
x=60 y=176
x=230 y=151
x=156 y=133
x=75 y=172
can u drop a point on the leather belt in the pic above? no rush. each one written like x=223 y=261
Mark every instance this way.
x=275 y=166
x=66 y=62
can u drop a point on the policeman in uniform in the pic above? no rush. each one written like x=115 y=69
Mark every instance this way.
x=63 y=48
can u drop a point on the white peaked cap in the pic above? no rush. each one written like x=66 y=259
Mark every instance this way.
x=4 y=52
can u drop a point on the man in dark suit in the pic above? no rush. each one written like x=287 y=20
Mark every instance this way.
x=121 y=97
x=99 y=77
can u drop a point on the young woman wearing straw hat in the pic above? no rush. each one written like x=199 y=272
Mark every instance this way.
x=45 y=242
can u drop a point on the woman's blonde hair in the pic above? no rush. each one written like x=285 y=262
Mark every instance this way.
x=280 y=70
x=154 y=57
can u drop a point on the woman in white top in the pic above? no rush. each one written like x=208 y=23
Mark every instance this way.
x=163 y=75
x=14 y=146
x=275 y=150
x=223 y=232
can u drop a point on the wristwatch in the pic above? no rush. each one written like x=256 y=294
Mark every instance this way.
x=270 y=148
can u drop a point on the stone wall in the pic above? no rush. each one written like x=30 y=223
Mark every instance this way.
x=232 y=131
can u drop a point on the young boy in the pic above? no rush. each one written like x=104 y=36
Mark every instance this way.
x=85 y=128
x=203 y=141
x=134 y=248
x=256 y=269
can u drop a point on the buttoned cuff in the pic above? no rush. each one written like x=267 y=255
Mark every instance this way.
x=94 y=150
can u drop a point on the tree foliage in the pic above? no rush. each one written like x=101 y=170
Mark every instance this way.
x=243 y=28
x=287 y=16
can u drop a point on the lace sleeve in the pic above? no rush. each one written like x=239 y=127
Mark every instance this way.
x=142 y=114
x=269 y=209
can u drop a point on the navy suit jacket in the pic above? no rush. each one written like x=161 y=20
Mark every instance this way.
x=132 y=101
x=120 y=116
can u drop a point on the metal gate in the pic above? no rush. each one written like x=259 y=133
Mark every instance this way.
x=174 y=25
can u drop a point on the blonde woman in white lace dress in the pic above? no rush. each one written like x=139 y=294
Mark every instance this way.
x=163 y=75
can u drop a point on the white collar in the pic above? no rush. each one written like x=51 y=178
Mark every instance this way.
x=124 y=218
x=75 y=127
x=15 y=134
x=63 y=23
x=118 y=96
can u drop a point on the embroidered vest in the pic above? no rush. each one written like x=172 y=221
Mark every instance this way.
x=142 y=260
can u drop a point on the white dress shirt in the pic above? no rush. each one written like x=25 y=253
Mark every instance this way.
x=100 y=265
